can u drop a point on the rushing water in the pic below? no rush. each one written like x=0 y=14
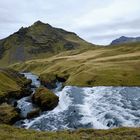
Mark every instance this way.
x=96 y=107
x=25 y=104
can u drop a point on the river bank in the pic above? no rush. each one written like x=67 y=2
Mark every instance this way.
x=12 y=133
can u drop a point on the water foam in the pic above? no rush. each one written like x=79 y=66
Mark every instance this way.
x=108 y=107
x=52 y=120
x=25 y=104
x=97 y=107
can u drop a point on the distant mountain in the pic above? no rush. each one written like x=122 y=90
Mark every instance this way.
x=124 y=39
x=37 y=41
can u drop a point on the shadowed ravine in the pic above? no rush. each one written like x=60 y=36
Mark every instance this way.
x=97 y=107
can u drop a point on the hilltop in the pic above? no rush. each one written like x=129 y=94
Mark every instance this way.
x=38 y=41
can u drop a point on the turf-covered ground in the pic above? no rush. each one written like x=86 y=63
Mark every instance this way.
x=12 y=133
x=102 y=66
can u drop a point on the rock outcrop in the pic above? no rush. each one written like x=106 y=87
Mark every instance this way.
x=13 y=85
x=45 y=99
x=8 y=114
x=33 y=113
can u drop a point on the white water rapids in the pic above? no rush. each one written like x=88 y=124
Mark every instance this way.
x=81 y=107
x=25 y=104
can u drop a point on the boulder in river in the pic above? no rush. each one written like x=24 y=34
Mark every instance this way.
x=45 y=99
x=33 y=113
x=48 y=80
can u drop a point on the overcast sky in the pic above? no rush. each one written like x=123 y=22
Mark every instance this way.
x=97 y=21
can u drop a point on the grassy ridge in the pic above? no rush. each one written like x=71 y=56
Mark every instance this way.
x=11 y=133
x=101 y=66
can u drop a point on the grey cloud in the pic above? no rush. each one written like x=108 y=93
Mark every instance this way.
x=113 y=26
x=106 y=32
x=66 y=14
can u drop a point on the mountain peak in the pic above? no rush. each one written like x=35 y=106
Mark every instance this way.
x=37 y=39
x=38 y=22
x=124 y=39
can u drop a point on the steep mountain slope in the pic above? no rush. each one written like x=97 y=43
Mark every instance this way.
x=104 y=66
x=124 y=39
x=38 y=41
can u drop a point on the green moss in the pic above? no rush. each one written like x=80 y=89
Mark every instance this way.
x=45 y=98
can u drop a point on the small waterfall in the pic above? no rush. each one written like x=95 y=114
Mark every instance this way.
x=34 y=78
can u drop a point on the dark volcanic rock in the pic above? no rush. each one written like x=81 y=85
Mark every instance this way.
x=33 y=113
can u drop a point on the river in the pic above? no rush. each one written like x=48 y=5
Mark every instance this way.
x=83 y=107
